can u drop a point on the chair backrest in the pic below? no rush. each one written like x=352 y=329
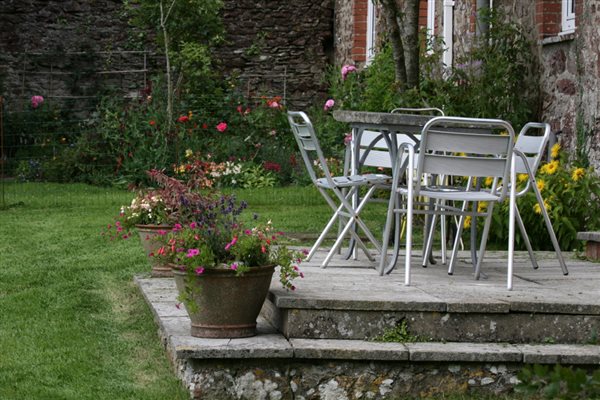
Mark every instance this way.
x=466 y=147
x=374 y=151
x=530 y=143
x=305 y=135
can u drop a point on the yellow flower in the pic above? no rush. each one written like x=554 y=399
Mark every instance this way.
x=538 y=210
x=550 y=168
x=482 y=206
x=181 y=169
x=488 y=181
x=467 y=223
x=190 y=114
x=504 y=133
x=522 y=178
x=189 y=153
x=541 y=185
x=578 y=173
x=555 y=150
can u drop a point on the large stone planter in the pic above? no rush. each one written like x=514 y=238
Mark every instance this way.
x=147 y=234
x=225 y=305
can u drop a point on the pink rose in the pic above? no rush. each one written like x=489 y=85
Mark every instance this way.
x=346 y=69
x=329 y=104
x=222 y=126
x=36 y=101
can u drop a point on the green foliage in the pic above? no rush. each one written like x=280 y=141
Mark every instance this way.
x=539 y=381
x=255 y=177
x=400 y=334
x=494 y=79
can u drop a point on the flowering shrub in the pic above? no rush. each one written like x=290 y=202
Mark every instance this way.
x=175 y=201
x=571 y=197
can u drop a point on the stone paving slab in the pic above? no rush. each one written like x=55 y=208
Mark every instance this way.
x=348 y=350
x=560 y=353
x=464 y=352
x=260 y=346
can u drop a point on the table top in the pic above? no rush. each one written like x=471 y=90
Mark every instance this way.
x=380 y=118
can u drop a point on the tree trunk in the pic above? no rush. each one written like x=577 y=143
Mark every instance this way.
x=402 y=17
x=391 y=11
x=410 y=25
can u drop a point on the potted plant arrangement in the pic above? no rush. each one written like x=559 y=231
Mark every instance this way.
x=155 y=211
x=223 y=270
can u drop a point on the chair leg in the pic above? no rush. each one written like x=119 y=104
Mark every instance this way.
x=525 y=238
x=397 y=238
x=393 y=202
x=550 y=229
x=511 y=222
x=484 y=236
x=332 y=221
x=457 y=239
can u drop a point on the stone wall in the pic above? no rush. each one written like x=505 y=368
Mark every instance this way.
x=57 y=48
x=269 y=39
x=276 y=48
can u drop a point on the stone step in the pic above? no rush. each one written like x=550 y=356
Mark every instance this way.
x=350 y=301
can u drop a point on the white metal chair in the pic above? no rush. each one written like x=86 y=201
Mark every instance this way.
x=444 y=143
x=529 y=151
x=344 y=188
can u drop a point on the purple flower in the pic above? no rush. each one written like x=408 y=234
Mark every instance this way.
x=329 y=105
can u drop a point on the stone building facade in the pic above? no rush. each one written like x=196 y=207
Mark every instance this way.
x=566 y=34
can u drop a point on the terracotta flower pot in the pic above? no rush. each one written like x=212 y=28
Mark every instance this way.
x=226 y=305
x=147 y=233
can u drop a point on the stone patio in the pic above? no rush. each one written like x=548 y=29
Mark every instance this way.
x=317 y=342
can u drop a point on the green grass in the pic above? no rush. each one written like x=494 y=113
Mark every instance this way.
x=72 y=323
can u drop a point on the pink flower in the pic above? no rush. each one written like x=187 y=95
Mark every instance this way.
x=193 y=225
x=222 y=126
x=346 y=69
x=192 y=252
x=274 y=104
x=199 y=271
x=183 y=119
x=348 y=139
x=162 y=232
x=233 y=241
x=329 y=105
x=36 y=101
x=234 y=266
x=177 y=227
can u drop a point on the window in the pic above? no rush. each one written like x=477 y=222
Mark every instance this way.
x=371 y=34
x=568 y=16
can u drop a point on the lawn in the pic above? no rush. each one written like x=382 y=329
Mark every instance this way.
x=72 y=323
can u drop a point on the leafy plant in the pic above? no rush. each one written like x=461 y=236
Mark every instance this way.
x=560 y=382
x=399 y=333
x=571 y=198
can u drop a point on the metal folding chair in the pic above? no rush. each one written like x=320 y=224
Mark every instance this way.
x=344 y=189
x=464 y=148
x=529 y=149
